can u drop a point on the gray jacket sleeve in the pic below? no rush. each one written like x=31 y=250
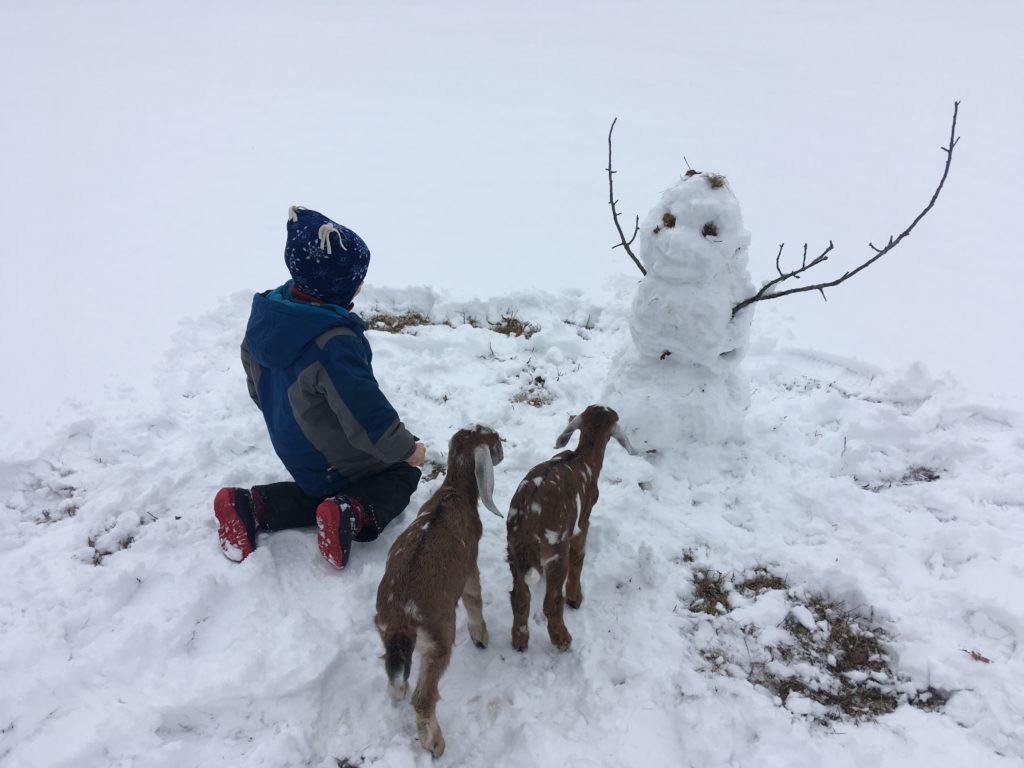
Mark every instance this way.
x=369 y=421
x=252 y=374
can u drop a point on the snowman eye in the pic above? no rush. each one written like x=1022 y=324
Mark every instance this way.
x=710 y=230
x=668 y=220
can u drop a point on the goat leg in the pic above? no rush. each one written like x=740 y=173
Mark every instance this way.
x=554 y=602
x=473 y=600
x=573 y=585
x=433 y=663
x=520 y=612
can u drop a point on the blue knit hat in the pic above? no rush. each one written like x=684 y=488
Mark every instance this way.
x=326 y=260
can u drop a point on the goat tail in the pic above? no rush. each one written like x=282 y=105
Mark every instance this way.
x=398 y=648
x=525 y=562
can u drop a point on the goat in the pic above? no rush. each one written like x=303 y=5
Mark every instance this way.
x=430 y=566
x=554 y=500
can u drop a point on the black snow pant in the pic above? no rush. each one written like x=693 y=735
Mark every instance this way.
x=384 y=496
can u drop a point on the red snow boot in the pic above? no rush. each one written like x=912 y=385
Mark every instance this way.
x=338 y=519
x=233 y=508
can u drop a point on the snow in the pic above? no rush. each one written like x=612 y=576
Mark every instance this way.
x=153 y=152
x=129 y=638
x=681 y=377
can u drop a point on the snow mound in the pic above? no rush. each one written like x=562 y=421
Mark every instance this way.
x=128 y=639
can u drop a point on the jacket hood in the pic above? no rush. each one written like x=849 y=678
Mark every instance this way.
x=281 y=328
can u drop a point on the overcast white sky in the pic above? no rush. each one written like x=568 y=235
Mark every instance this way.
x=151 y=151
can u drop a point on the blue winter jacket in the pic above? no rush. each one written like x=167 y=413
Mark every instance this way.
x=308 y=369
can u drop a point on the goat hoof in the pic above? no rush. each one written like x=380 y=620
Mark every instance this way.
x=575 y=603
x=438 y=748
x=520 y=638
x=431 y=738
x=480 y=639
x=561 y=641
x=397 y=692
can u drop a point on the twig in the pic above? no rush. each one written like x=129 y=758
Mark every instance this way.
x=615 y=214
x=764 y=295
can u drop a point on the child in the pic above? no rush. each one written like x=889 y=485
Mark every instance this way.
x=307 y=363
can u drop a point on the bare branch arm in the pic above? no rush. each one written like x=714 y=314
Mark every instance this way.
x=764 y=295
x=615 y=214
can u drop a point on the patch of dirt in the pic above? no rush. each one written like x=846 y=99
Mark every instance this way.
x=534 y=394
x=61 y=512
x=853 y=680
x=99 y=554
x=919 y=474
x=396 y=323
x=710 y=593
x=511 y=325
x=831 y=656
x=915 y=474
x=760 y=580
x=431 y=471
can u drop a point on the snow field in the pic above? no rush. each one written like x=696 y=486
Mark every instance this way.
x=146 y=647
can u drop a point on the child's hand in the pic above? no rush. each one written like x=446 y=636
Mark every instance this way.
x=418 y=456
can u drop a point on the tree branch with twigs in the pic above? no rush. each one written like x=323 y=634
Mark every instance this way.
x=615 y=213
x=766 y=291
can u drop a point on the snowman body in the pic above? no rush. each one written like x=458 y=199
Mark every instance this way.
x=681 y=377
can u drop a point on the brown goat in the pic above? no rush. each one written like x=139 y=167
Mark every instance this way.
x=548 y=521
x=430 y=566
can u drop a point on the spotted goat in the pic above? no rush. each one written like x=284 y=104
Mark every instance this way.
x=548 y=522
x=430 y=566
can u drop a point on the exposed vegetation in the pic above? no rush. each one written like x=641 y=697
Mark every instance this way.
x=534 y=393
x=396 y=323
x=511 y=325
x=99 y=554
x=851 y=675
x=61 y=512
x=432 y=470
x=914 y=474
x=760 y=581
x=508 y=324
x=711 y=594
x=833 y=657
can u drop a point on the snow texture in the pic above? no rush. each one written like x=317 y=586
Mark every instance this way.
x=128 y=639
x=151 y=151
x=682 y=377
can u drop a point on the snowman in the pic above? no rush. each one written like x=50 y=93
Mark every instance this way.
x=680 y=378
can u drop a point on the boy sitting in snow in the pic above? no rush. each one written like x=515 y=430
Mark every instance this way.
x=307 y=363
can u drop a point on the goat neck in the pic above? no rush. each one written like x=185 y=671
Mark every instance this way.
x=460 y=476
x=592 y=446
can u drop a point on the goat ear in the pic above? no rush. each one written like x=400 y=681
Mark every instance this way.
x=485 y=477
x=619 y=435
x=563 y=438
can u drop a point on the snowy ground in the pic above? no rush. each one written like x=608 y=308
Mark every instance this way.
x=151 y=150
x=128 y=640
